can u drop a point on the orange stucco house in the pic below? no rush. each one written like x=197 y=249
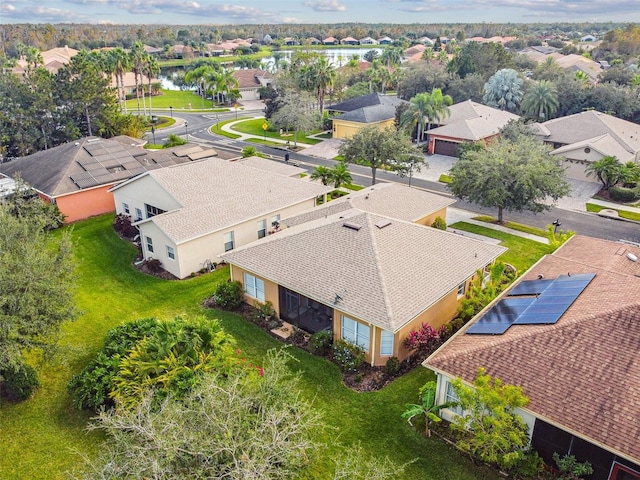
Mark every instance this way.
x=77 y=176
x=367 y=268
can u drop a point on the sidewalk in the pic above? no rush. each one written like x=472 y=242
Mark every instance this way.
x=614 y=206
x=456 y=215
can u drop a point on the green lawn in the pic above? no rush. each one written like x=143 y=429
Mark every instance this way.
x=45 y=438
x=522 y=253
x=178 y=99
x=514 y=226
x=592 y=207
x=254 y=127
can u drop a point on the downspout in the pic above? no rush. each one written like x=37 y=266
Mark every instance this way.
x=373 y=346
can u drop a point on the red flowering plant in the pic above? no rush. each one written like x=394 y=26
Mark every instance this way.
x=424 y=340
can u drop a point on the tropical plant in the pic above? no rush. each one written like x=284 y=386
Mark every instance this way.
x=424 y=109
x=424 y=340
x=151 y=69
x=371 y=55
x=608 y=170
x=204 y=76
x=138 y=57
x=570 y=468
x=489 y=427
x=322 y=173
x=348 y=356
x=340 y=175
x=439 y=223
x=173 y=140
x=541 y=101
x=503 y=90
x=120 y=63
x=427 y=407
x=228 y=295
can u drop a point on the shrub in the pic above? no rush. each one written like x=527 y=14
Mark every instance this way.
x=439 y=223
x=154 y=265
x=623 y=194
x=122 y=225
x=297 y=337
x=349 y=357
x=19 y=383
x=392 y=366
x=263 y=311
x=425 y=339
x=228 y=295
x=570 y=468
x=320 y=342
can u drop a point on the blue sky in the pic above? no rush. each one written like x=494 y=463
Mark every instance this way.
x=185 y=12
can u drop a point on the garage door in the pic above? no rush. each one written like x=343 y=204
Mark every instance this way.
x=443 y=147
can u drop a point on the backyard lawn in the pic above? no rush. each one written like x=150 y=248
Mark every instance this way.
x=46 y=438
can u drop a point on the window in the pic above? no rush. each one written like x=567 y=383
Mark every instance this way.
x=386 y=342
x=125 y=208
x=452 y=396
x=275 y=221
x=254 y=286
x=262 y=228
x=153 y=211
x=138 y=214
x=171 y=253
x=461 y=289
x=228 y=241
x=356 y=333
x=620 y=472
x=149 y=243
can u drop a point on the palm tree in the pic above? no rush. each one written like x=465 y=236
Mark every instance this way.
x=340 y=175
x=33 y=57
x=547 y=70
x=322 y=173
x=503 y=90
x=608 y=170
x=151 y=68
x=424 y=109
x=371 y=55
x=227 y=85
x=541 y=101
x=391 y=56
x=202 y=76
x=138 y=55
x=120 y=63
x=318 y=76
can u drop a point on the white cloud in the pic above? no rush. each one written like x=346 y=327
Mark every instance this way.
x=326 y=6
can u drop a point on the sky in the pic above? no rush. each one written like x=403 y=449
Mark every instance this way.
x=184 y=12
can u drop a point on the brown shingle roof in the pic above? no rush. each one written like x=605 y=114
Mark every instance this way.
x=249 y=78
x=385 y=276
x=583 y=373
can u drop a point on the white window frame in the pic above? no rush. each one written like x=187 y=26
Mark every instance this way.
x=355 y=332
x=229 y=241
x=386 y=344
x=262 y=228
x=462 y=289
x=451 y=396
x=254 y=286
x=275 y=219
x=125 y=208
x=171 y=253
x=149 y=243
x=138 y=214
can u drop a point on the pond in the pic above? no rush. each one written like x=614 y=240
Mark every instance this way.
x=337 y=57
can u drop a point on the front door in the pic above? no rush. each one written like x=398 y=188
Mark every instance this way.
x=292 y=304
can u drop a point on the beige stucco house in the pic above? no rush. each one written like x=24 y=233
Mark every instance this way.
x=588 y=136
x=369 y=278
x=188 y=216
x=371 y=109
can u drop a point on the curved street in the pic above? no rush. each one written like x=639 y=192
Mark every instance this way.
x=197 y=125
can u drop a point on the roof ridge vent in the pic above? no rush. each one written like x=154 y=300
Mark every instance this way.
x=383 y=223
x=352 y=226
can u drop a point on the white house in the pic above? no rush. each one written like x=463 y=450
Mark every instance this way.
x=189 y=214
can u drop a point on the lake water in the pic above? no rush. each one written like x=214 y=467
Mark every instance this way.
x=337 y=57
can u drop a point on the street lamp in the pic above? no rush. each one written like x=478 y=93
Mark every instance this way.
x=556 y=224
x=186 y=130
x=171 y=111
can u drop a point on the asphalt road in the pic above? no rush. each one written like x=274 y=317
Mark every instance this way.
x=579 y=222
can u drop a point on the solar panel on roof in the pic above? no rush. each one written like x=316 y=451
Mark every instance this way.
x=530 y=287
x=576 y=276
x=488 y=328
x=94 y=148
x=538 y=318
x=83 y=180
x=122 y=174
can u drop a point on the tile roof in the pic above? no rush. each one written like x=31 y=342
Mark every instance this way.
x=583 y=373
x=216 y=194
x=391 y=200
x=273 y=166
x=472 y=121
x=109 y=161
x=386 y=276
x=249 y=78
x=369 y=100
x=582 y=126
x=373 y=114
